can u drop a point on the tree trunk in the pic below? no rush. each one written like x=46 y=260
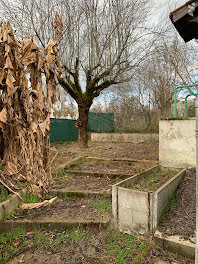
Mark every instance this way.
x=82 y=123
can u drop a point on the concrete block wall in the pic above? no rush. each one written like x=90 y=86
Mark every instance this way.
x=177 y=143
x=129 y=137
x=159 y=199
x=133 y=210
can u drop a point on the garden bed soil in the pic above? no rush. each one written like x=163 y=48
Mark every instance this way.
x=181 y=220
x=70 y=208
x=111 y=168
x=87 y=247
x=152 y=182
x=85 y=183
x=141 y=151
x=62 y=159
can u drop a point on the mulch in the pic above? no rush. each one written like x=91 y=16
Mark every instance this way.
x=181 y=220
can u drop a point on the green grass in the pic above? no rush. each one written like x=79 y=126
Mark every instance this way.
x=170 y=205
x=153 y=181
x=125 y=248
x=16 y=241
x=4 y=194
x=104 y=205
x=29 y=197
x=9 y=243
x=120 y=247
x=59 y=173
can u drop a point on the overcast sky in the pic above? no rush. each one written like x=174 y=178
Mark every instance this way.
x=162 y=8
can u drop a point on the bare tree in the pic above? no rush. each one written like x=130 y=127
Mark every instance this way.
x=102 y=42
x=170 y=65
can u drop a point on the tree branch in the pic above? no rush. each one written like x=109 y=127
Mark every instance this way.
x=67 y=88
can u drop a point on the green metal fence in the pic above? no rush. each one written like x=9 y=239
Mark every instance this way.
x=63 y=130
x=101 y=122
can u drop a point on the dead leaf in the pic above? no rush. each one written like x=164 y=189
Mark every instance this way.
x=3 y=115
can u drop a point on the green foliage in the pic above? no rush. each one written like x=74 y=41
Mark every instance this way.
x=170 y=205
x=125 y=247
x=153 y=181
x=9 y=243
x=103 y=205
x=191 y=108
x=4 y=194
x=29 y=197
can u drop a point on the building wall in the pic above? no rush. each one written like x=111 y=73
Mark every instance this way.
x=177 y=144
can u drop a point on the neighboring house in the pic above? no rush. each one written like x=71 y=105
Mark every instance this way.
x=185 y=20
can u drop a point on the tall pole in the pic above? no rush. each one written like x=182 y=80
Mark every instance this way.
x=196 y=248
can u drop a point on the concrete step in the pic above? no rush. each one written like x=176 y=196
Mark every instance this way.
x=79 y=193
x=175 y=244
x=52 y=224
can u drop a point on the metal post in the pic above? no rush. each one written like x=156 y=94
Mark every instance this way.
x=196 y=248
x=175 y=95
x=186 y=103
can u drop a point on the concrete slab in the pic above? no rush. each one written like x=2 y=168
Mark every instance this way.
x=175 y=244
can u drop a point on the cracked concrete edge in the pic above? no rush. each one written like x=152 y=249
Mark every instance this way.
x=8 y=225
x=97 y=174
x=92 y=158
x=9 y=205
x=67 y=192
x=72 y=163
x=175 y=244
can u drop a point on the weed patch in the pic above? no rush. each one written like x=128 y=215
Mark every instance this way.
x=153 y=181
x=124 y=248
x=29 y=197
x=104 y=205
x=10 y=243
x=170 y=205
x=4 y=194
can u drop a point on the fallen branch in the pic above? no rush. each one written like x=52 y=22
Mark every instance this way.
x=3 y=183
x=29 y=206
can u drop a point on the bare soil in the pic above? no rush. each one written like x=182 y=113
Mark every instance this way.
x=111 y=168
x=69 y=150
x=89 y=247
x=93 y=183
x=181 y=219
x=88 y=183
x=70 y=208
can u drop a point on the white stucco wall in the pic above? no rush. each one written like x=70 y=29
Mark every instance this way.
x=177 y=144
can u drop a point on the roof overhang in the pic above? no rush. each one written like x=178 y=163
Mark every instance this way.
x=185 y=20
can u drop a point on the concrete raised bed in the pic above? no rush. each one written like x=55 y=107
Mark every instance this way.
x=137 y=211
x=9 y=205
